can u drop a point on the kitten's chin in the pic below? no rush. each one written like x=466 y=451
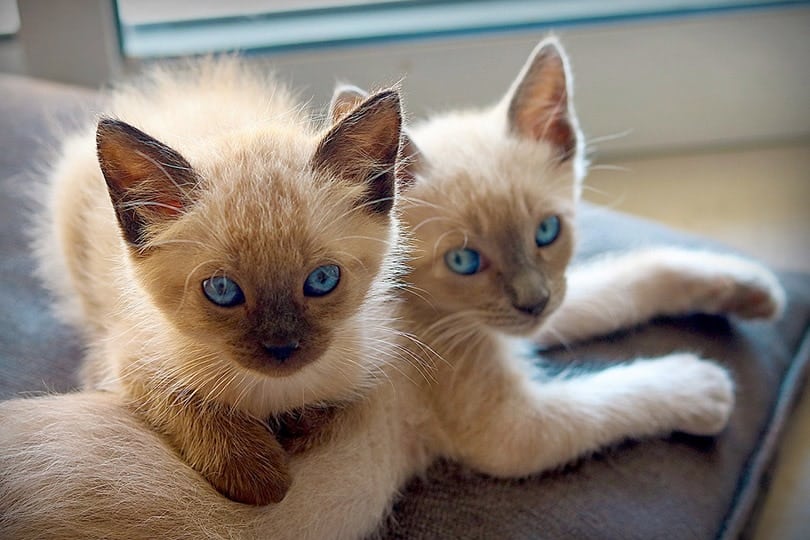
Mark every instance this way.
x=520 y=328
x=521 y=325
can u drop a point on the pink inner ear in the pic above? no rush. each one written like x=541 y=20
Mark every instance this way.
x=560 y=135
x=170 y=207
x=546 y=121
x=539 y=109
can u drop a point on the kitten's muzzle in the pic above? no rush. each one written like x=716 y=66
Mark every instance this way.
x=528 y=293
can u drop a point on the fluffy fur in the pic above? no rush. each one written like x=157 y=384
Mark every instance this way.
x=483 y=179
x=239 y=184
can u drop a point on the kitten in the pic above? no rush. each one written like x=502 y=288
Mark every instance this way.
x=226 y=261
x=490 y=208
x=491 y=213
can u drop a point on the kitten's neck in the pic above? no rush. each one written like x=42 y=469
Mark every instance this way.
x=447 y=338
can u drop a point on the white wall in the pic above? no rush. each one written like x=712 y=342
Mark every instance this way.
x=676 y=83
x=673 y=83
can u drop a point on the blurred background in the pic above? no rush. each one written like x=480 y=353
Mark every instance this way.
x=698 y=112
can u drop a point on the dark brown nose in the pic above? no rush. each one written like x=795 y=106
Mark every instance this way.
x=528 y=292
x=281 y=352
x=534 y=308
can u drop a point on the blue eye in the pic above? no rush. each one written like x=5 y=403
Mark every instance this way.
x=547 y=231
x=223 y=291
x=322 y=280
x=463 y=261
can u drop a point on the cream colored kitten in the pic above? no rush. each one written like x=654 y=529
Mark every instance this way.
x=238 y=267
x=485 y=181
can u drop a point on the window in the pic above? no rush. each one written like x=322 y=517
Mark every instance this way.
x=152 y=28
x=9 y=18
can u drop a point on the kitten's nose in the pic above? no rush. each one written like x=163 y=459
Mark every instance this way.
x=534 y=308
x=281 y=352
x=528 y=292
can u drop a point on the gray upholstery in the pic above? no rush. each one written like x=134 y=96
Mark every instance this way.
x=682 y=487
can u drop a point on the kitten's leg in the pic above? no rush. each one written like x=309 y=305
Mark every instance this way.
x=620 y=291
x=508 y=425
x=235 y=452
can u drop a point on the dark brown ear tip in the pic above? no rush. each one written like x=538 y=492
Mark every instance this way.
x=550 y=46
x=105 y=126
x=106 y=132
x=389 y=97
x=112 y=128
x=349 y=90
x=109 y=125
x=106 y=122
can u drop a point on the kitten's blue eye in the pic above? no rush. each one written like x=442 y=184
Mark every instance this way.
x=463 y=261
x=223 y=291
x=547 y=231
x=322 y=280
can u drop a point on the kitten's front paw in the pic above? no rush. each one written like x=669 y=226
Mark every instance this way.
x=707 y=396
x=735 y=286
x=254 y=474
x=751 y=292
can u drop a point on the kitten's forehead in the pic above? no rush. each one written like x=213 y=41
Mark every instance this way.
x=491 y=179
x=264 y=203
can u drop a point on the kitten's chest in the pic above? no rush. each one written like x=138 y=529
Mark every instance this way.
x=394 y=421
x=420 y=435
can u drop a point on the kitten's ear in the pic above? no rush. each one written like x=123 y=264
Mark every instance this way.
x=345 y=99
x=411 y=161
x=539 y=101
x=364 y=146
x=148 y=182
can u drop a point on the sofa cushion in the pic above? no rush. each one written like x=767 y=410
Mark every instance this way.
x=36 y=353
x=681 y=487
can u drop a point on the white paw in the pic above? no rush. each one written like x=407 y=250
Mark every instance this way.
x=729 y=285
x=751 y=291
x=705 y=395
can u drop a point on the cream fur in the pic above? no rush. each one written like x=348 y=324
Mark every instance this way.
x=469 y=397
x=246 y=132
x=271 y=203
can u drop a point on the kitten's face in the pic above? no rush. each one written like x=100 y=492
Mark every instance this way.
x=492 y=207
x=489 y=199
x=492 y=220
x=268 y=271
x=272 y=253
